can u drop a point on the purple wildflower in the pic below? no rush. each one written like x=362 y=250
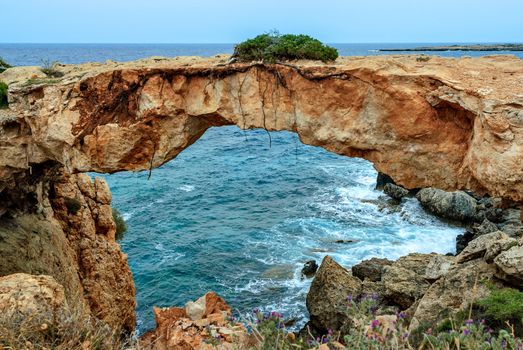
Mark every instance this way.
x=469 y=322
x=374 y=323
x=466 y=331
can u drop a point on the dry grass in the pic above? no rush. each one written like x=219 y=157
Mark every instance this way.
x=69 y=332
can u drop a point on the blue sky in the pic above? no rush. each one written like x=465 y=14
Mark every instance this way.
x=226 y=21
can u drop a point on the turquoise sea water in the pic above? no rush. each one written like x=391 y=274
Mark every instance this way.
x=232 y=215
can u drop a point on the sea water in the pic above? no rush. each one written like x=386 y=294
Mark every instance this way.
x=232 y=215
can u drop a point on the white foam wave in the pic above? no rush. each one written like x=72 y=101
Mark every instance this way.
x=186 y=188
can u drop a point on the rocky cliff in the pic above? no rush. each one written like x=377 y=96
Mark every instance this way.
x=446 y=123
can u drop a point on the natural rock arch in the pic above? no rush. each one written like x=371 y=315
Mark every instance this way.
x=440 y=123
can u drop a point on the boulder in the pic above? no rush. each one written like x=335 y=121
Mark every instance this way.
x=478 y=247
x=371 y=269
x=309 y=268
x=450 y=205
x=454 y=291
x=510 y=266
x=327 y=297
x=405 y=281
x=395 y=191
x=24 y=296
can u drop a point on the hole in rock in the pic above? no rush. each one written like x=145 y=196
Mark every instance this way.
x=234 y=216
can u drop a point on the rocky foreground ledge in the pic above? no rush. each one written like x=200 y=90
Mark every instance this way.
x=443 y=123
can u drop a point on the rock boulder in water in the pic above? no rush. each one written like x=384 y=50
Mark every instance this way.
x=395 y=191
x=450 y=205
x=309 y=268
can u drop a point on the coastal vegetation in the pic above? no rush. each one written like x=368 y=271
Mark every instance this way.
x=49 y=69
x=3 y=95
x=73 y=205
x=68 y=331
x=273 y=47
x=370 y=330
x=502 y=305
x=4 y=65
x=121 y=226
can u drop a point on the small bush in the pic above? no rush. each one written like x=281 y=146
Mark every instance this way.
x=422 y=59
x=3 y=95
x=4 y=65
x=73 y=205
x=273 y=47
x=49 y=69
x=503 y=304
x=121 y=226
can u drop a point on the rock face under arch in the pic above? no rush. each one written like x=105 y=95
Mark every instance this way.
x=447 y=123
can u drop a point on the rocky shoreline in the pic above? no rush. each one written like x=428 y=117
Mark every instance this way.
x=480 y=47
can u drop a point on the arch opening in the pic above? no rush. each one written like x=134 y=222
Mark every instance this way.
x=233 y=215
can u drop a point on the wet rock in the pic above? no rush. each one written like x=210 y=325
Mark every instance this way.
x=371 y=269
x=345 y=241
x=382 y=180
x=463 y=240
x=450 y=205
x=510 y=266
x=327 y=297
x=454 y=291
x=309 y=268
x=405 y=281
x=395 y=191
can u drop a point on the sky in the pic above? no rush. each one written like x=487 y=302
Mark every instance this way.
x=231 y=21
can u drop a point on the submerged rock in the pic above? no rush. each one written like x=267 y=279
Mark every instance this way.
x=395 y=191
x=450 y=205
x=371 y=269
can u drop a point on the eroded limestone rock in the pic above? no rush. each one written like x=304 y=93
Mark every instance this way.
x=29 y=296
x=202 y=325
x=327 y=297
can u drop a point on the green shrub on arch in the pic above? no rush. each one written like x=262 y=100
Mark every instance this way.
x=273 y=47
x=3 y=94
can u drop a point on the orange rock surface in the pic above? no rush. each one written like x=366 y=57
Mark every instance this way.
x=448 y=123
